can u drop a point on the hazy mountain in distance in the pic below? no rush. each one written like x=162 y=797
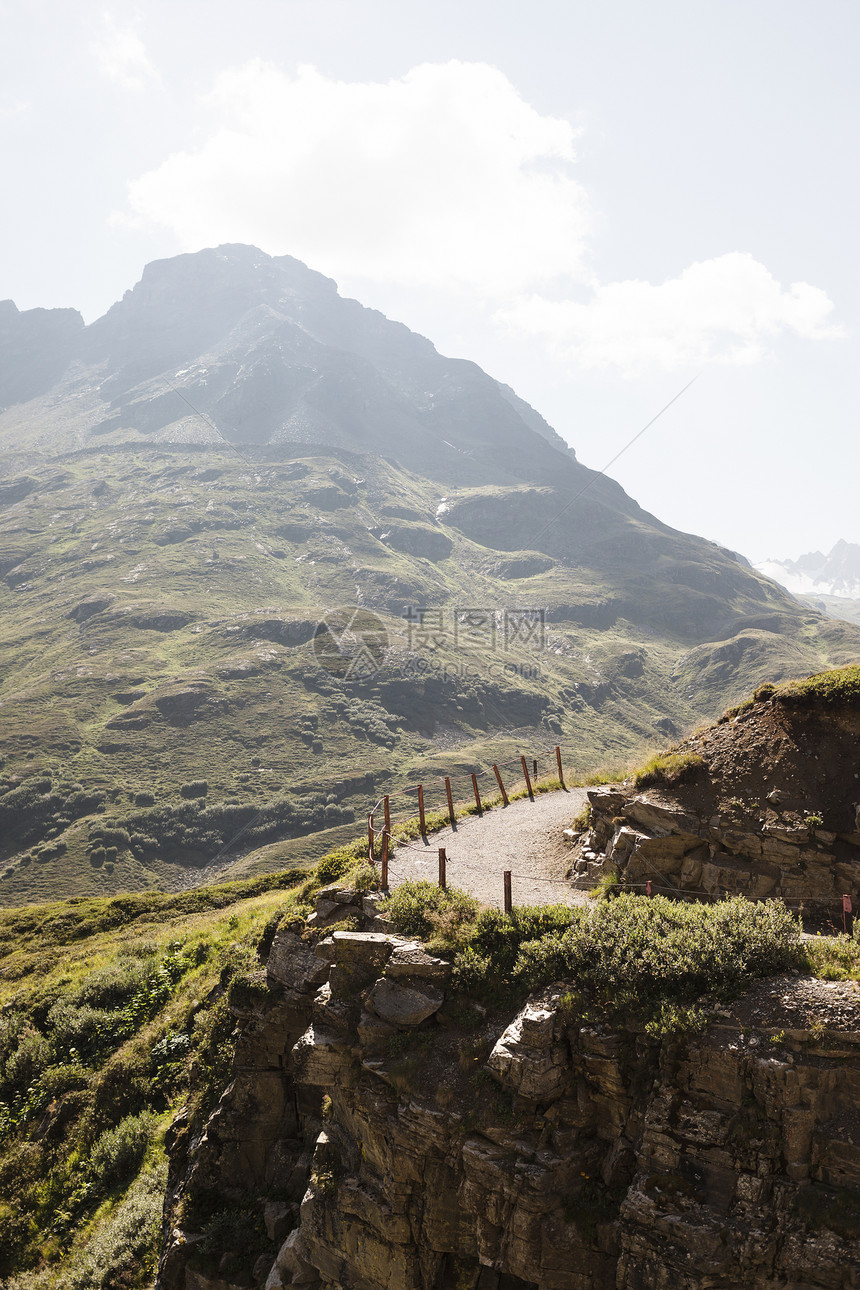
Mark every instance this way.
x=836 y=574
x=829 y=584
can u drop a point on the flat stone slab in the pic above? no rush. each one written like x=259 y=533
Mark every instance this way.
x=412 y=960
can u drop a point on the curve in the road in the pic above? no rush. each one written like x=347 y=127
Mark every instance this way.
x=525 y=837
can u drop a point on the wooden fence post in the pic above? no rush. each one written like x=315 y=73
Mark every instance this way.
x=560 y=771
x=383 y=881
x=477 y=793
x=422 y=822
x=500 y=784
x=509 y=903
x=443 y=881
x=450 y=801
x=386 y=806
x=526 y=773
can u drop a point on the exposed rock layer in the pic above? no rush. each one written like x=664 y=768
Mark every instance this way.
x=570 y=1157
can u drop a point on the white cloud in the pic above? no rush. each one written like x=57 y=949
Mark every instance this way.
x=122 y=56
x=11 y=106
x=445 y=177
x=726 y=310
x=447 y=180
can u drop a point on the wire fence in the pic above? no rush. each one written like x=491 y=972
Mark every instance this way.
x=392 y=846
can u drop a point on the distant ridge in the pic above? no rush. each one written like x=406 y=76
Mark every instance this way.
x=836 y=574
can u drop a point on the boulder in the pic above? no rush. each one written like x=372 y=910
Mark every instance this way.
x=293 y=964
x=659 y=817
x=404 y=1005
x=526 y=1058
x=321 y=1057
x=357 y=959
x=412 y=960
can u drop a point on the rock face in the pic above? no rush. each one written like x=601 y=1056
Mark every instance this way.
x=644 y=839
x=570 y=1156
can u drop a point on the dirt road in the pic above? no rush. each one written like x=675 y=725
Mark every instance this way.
x=525 y=837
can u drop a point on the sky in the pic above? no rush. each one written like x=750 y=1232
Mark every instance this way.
x=597 y=203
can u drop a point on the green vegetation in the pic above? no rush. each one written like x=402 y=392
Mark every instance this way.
x=629 y=955
x=582 y=820
x=834 y=958
x=667 y=770
x=609 y=884
x=841 y=685
x=115 y=1012
x=163 y=709
x=112 y=1014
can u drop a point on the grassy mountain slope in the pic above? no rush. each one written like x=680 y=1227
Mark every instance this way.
x=164 y=715
x=112 y=1014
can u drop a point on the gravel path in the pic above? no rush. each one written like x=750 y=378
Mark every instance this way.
x=525 y=837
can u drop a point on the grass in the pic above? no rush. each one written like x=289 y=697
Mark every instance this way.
x=96 y=734
x=841 y=685
x=668 y=770
x=833 y=958
x=113 y=1014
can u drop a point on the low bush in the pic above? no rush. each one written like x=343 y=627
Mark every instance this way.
x=628 y=954
x=118 y=1153
x=364 y=878
x=194 y=788
x=424 y=910
x=340 y=861
x=634 y=953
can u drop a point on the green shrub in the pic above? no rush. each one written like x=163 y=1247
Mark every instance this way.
x=27 y=1061
x=422 y=909
x=122 y=1253
x=498 y=936
x=194 y=788
x=114 y=984
x=364 y=878
x=117 y=1154
x=340 y=861
x=80 y=1028
x=635 y=953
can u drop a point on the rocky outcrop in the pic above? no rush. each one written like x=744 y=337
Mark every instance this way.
x=423 y=1146
x=644 y=838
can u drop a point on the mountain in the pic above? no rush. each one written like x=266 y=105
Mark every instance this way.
x=836 y=574
x=829 y=584
x=266 y=554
